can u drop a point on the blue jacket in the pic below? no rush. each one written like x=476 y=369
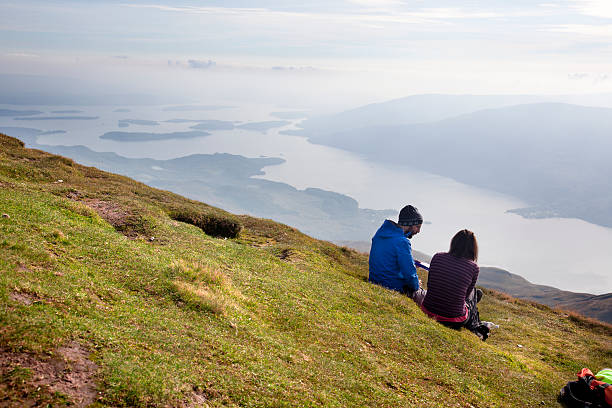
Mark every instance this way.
x=391 y=262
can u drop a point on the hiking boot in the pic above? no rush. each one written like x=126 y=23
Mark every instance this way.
x=482 y=331
x=479 y=294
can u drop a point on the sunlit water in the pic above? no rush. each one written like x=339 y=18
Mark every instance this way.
x=566 y=253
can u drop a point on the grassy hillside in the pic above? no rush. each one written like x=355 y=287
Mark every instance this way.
x=111 y=293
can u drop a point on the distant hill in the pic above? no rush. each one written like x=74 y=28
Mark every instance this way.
x=554 y=156
x=596 y=306
x=117 y=294
x=408 y=110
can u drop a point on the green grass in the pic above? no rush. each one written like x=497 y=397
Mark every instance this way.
x=270 y=318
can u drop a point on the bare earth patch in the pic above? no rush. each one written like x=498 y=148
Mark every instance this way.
x=109 y=211
x=129 y=223
x=23 y=298
x=74 y=195
x=197 y=399
x=70 y=373
x=122 y=220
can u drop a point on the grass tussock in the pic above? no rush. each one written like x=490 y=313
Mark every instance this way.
x=200 y=297
x=215 y=225
x=79 y=208
x=198 y=272
x=201 y=287
x=135 y=225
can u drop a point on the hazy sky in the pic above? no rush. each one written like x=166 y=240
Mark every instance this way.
x=392 y=47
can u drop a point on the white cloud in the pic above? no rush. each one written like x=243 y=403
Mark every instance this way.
x=592 y=8
x=589 y=30
x=453 y=13
x=292 y=68
x=22 y=55
x=377 y=3
x=211 y=10
x=595 y=8
x=578 y=75
x=425 y=15
x=596 y=78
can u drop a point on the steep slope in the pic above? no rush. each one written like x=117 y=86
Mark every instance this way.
x=107 y=297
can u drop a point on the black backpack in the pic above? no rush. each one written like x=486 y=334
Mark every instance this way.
x=587 y=392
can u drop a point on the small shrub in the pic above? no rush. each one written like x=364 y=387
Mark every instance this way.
x=215 y=225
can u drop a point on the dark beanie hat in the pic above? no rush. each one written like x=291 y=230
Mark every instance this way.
x=410 y=216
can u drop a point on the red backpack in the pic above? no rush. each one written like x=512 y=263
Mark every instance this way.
x=587 y=392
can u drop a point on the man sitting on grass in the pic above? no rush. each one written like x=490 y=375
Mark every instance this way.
x=391 y=262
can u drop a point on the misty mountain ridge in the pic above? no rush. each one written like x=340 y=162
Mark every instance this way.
x=411 y=109
x=554 y=156
x=426 y=108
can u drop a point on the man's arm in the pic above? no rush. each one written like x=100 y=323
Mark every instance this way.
x=406 y=264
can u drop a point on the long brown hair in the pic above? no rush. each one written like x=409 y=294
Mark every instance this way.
x=464 y=245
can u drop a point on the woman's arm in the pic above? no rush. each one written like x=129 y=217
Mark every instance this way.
x=473 y=283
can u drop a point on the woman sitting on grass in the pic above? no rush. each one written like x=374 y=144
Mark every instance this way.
x=451 y=298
